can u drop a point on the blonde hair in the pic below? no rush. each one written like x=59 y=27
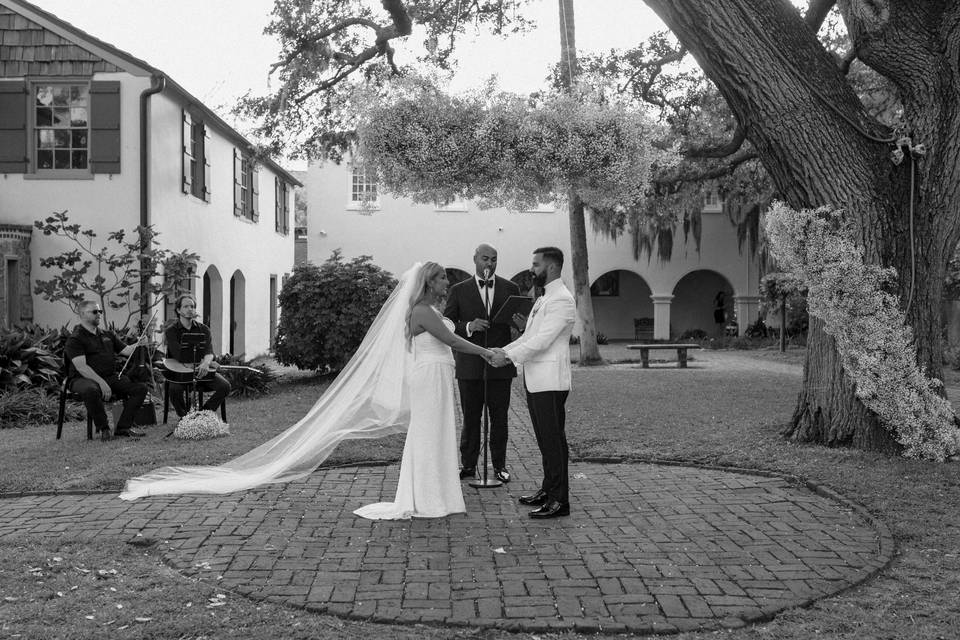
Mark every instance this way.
x=427 y=273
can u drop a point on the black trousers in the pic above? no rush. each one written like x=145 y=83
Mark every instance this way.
x=548 y=415
x=217 y=384
x=498 y=405
x=133 y=394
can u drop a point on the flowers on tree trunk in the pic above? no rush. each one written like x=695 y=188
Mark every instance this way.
x=201 y=425
x=874 y=342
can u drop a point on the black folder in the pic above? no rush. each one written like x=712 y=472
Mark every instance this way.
x=512 y=305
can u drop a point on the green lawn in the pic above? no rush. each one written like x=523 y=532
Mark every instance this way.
x=728 y=413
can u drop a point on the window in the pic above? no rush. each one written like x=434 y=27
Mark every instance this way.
x=454 y=204
x=363 y=188
x=246 y=189
x=542 y=207
x=63 y=129
x=62 y=126
x=196 y=161
x=712 y=203
x=282 y=206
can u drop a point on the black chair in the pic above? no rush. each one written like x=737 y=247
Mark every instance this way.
x=65 y=394
x=199 y=392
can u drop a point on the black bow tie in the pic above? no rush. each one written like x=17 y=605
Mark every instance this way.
x=485 y=283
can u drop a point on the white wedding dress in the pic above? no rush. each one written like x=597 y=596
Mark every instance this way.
x=429 y=484
x=387 y=387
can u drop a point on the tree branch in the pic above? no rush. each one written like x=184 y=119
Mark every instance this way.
x=687 y=173
x=721 y=151
x=817 y=12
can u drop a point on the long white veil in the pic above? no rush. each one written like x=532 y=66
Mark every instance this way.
x=368 y=399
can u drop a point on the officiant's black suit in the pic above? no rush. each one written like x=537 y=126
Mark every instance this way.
x=465 y=303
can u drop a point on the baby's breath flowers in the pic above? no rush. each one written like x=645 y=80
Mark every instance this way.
x=201 y=425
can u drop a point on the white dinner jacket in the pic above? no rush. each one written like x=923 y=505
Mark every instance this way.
x=542 y=353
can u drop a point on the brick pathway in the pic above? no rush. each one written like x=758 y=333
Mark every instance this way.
x=648 y=548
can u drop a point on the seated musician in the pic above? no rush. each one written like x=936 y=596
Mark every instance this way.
x=93 y=372
x=189 y=354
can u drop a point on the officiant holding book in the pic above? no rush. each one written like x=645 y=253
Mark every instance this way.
x=467 y=305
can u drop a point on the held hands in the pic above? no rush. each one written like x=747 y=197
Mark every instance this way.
x=520 y=321
x=499 y=357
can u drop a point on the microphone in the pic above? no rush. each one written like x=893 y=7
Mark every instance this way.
x=486 y=273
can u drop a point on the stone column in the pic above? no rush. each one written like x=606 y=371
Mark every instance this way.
x=747 y=309
x=661 y=316
x=15 y=246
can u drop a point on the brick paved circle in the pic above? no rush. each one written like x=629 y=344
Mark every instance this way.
x=648 y=548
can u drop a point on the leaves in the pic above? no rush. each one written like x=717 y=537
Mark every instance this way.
x=113 y=274
x=327 y=309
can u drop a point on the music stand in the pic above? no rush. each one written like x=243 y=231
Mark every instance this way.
x=191 y=351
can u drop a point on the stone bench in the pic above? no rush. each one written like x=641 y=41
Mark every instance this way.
x=681 y=352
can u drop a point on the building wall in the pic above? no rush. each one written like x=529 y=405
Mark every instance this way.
x=398 y=232
x=110 y=202
x=230 y=243
x=104 y=202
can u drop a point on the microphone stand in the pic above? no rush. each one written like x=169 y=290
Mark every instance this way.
x=486 y=483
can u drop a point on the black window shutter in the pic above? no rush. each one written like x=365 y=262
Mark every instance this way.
x=105 y=127
x=207 y=188
x=286 y=208
x=13 y=127
x=277 y=212
x=187 y=139
x=254 y=192
x=237 y=183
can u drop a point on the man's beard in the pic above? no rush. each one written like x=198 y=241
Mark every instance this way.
x=540 y=279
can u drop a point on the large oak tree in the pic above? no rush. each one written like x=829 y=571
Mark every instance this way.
x=792 y=102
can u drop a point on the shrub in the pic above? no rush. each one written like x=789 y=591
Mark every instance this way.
x=602 y=338
x=327 y=309
x=34 y=406
x=693 y=334
x=245 y=383
x=25 y=362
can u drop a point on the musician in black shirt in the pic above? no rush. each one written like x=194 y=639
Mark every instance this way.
x=199 y=351
x=92 y=371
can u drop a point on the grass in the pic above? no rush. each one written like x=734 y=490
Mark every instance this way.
x=730 y=413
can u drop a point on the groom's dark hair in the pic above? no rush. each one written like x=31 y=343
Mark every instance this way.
x=551 y=254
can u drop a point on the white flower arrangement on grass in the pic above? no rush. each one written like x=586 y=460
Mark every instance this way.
x=201 y=425
x=874 y=342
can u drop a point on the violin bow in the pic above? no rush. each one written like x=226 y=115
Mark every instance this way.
x=146 y=328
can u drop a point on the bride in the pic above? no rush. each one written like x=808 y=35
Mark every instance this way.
x=400 y=379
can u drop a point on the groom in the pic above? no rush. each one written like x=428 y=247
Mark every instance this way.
x=543 y=355
x=466 y=306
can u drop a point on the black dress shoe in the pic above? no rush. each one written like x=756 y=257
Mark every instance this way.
x=536 y=499
x=467 y=472
x=130 y=433
x=502 y=475
x=552 y=509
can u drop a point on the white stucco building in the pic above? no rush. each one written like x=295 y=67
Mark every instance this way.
x=631 y=297
x=89 y=129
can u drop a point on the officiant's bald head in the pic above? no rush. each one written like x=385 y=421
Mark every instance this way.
x=485 y=258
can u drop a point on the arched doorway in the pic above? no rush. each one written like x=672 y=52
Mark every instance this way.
x=524 y=280
x=695 y=300
x=621 y=304
x=455 y=275
x=212 y=308
x=238 y=307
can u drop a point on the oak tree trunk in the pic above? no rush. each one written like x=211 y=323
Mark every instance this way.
x=821 y=148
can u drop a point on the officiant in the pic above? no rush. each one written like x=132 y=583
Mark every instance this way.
x=472 y=304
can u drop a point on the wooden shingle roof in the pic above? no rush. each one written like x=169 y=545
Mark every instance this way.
x=26 y=48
